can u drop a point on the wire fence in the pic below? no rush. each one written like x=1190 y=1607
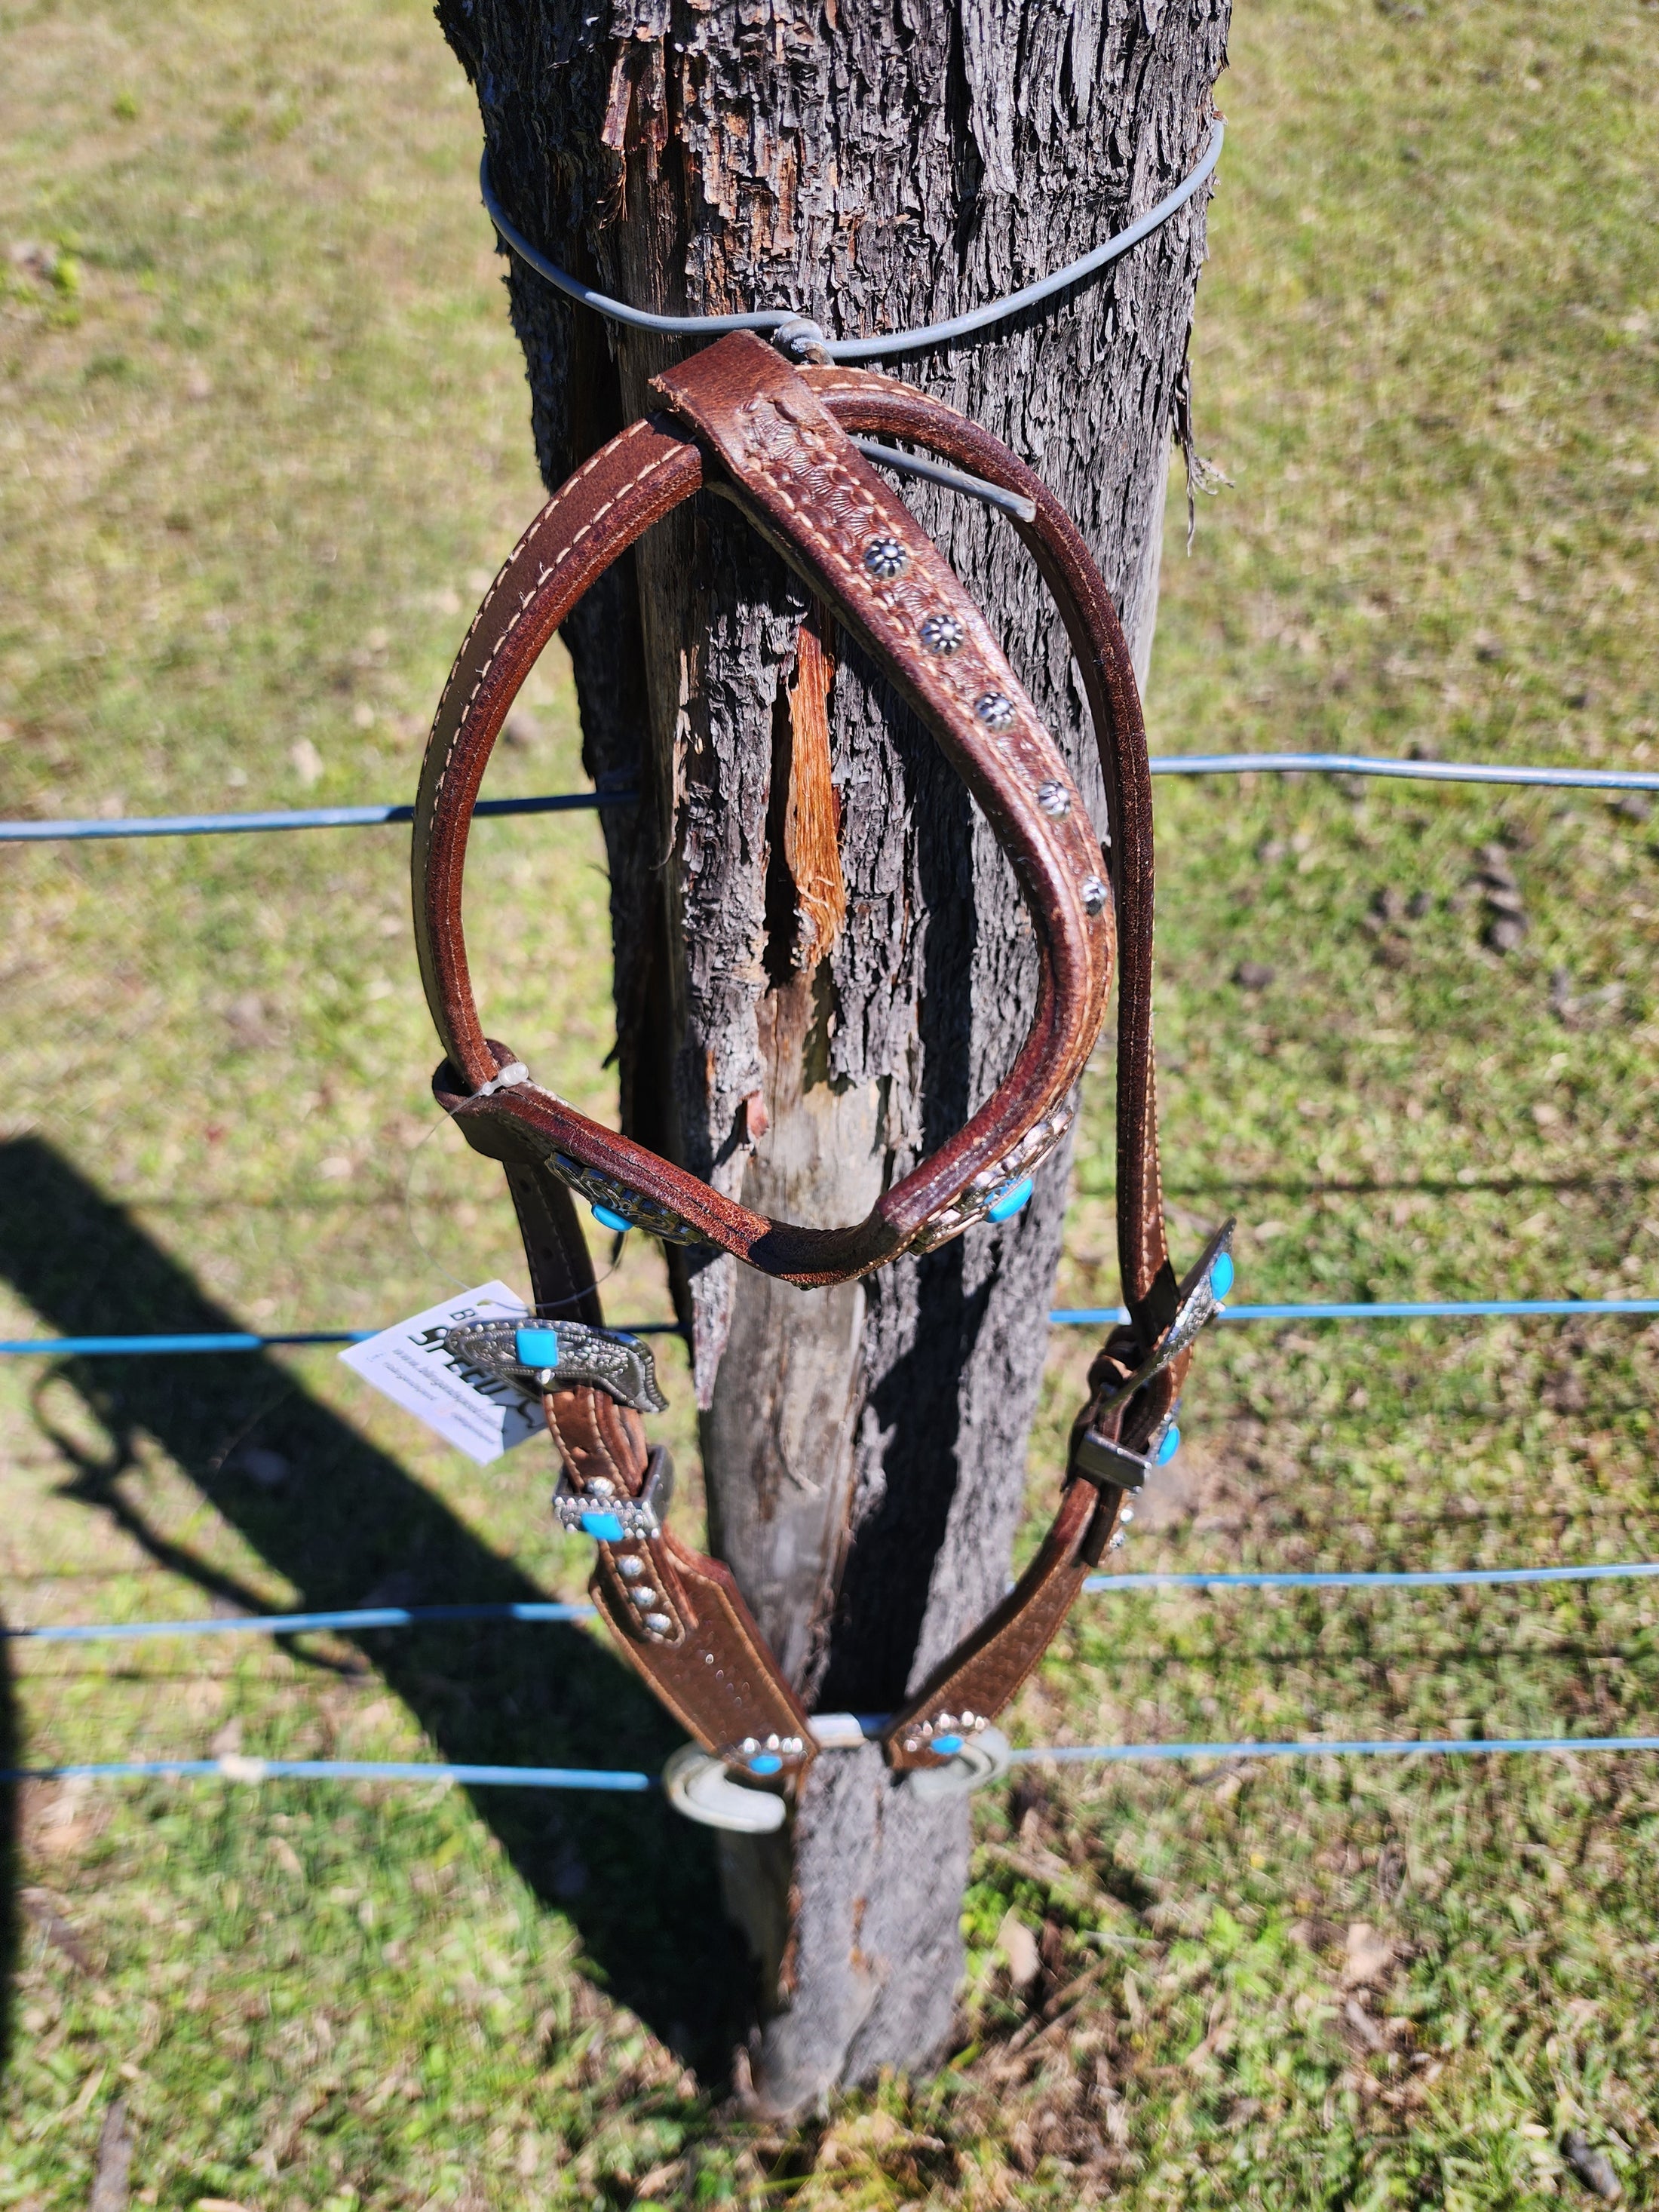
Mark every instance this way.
x=366 y=1619
x=1563 y=778
x=236 y=1767
x=360 y=1619
x=130 y=1347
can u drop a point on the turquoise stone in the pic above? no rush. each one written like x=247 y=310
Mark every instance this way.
x=946 y=1744
x=1009 y=1200
x=1168 y=1448
x=606 y=1528
x=765 y=1762
x=1221 y=1275
x=538 y=1347
x=607 y=1219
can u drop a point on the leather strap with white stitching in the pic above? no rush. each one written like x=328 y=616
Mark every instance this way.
x=777 y=440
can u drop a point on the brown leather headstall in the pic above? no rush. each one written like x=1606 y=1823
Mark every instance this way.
x=740 y=421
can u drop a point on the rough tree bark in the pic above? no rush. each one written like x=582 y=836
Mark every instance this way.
x=822 y=962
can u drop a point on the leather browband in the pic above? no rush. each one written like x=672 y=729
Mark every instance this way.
x=777 y=440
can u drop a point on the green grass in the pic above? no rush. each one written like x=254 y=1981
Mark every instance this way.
x=262 y=429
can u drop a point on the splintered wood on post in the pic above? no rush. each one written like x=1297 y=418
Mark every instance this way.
x=823 y=963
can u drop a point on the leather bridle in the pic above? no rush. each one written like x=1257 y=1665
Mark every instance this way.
x=737 y=420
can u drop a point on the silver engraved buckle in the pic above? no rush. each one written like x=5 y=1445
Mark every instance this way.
x=608 y=1514
x=543 y=1355
x=1101 y=1460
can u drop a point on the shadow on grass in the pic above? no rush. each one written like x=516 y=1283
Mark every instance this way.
x=11 y=1813
x=351 y=1527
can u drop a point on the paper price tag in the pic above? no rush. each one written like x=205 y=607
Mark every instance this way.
x=480 y=1414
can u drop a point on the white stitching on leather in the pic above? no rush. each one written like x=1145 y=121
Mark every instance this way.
x=559 y=500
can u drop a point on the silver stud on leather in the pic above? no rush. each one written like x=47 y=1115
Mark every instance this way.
x=1054 y=799
x=942 y=633
x=631 y=1567
x=658 y=1623
x=995 y=711
x=643 y=1597
x=886 y=556
x=1094 y=895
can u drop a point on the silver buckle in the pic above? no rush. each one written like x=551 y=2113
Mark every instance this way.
x=602 y=1512
x=1102 y=1460
x=562 y=1356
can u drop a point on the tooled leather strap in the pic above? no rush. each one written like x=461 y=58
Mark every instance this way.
x=679 y=1617
x=774 y=433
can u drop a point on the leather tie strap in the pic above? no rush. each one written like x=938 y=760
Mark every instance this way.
x=740 y=421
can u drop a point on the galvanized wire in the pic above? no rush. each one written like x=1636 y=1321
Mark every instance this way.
x=307 y=818
x=238 y=1768
x=797 y=334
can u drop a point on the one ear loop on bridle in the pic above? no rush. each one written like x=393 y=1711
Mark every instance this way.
x=537 y=588
x=872 y=403
x=1097 y=641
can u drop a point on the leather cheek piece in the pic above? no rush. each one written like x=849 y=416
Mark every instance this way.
x=718 y=1679
x=680 y=1618
x=758 y=430
x=988 y=1667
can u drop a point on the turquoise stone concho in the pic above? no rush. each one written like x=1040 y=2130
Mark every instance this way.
x=999 y=1193
x=544 y=1355
x=615 y=1202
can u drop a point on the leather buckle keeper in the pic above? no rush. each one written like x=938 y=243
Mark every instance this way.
x=605 y=1514
x=1109 y=1465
